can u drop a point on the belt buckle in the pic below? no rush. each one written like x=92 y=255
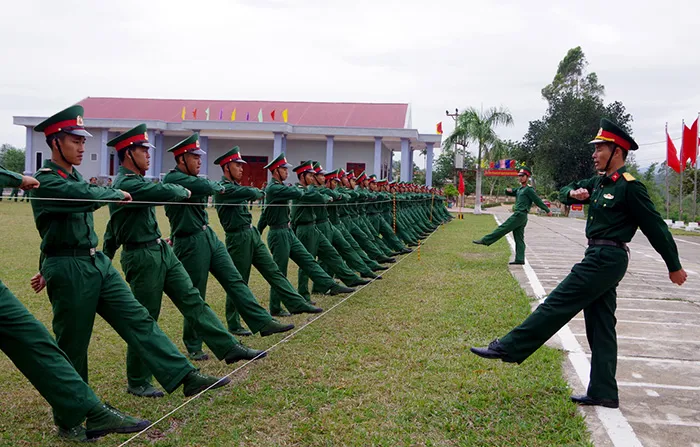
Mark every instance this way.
x=158 y=241
x=93 y=251
x=204 y=228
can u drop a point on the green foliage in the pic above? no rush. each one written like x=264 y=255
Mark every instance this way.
x=478 y=127
x=451 y=191
x=12 y=158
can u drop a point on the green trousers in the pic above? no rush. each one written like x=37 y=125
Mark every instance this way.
x=362 y=239
x=150 y=272
x=340 y=226
x=401 y=231
x=387 y=233
x=591 y=287
x=368 y=228
x=247 y=249
x=284 y=246
x=346 y=252
x=320 y=247
x=516 y=224
x=35 y=353
x=79 y=287
x=202 y=253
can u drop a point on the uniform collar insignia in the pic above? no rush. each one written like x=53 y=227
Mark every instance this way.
x=615 y=176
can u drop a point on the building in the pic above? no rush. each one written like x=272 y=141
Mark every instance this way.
x=354 y=136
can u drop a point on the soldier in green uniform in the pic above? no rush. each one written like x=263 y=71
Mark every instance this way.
x=81 y=280
x=304 y=224
x=200 y=250
x=375 y=215
x=244 y=243
x=14 y=193
x=619 y=205
x=525 y=197
x=282 y=241
x=35 y=353
x=149 y=263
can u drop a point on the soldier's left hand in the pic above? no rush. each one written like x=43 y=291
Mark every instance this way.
x=28 y=183
x=38 y=282
x=678 y=277
x=549 y=214
x=168 y=241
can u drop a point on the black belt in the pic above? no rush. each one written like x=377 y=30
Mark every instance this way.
x=183 y=234
x=280 y=227
x=74 y=252
x=304 y=224
x=594 y=242
x=318 y=222
x=136 y=246
x=245 y=227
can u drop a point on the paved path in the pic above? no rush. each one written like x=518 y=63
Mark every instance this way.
x=658 y=328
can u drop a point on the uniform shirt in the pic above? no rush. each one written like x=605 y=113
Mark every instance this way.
x=339 y=200
x=231 y=206
x=304 y=208
x=137 y=223
x=619 y=205
x=277 y=193
x=189 y=219
x=525 y=197
x=66 y=224
x=9 y=178
x=346 y=205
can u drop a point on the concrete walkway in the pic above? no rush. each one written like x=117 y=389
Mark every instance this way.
x=658 y=332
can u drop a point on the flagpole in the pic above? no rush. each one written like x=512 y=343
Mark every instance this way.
x=695 y=183
x=680 y=199
x=668 y=192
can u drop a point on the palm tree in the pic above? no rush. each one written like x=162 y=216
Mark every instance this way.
x=478 y=126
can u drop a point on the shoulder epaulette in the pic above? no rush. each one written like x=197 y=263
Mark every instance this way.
x=629 y=177
x=45 y=170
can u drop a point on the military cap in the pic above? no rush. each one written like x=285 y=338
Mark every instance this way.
x=305 y=166
x=333 y=175
x=612 y=133
x=525 y=170
x=232 y=155
x=189 y=145
x=319 y=169
x=382 y=182
x=392 y=183
x=362 y=176
x=279 y=162
x=69 y=120
x=138 y=136
x=350 y=175
x=372 y=178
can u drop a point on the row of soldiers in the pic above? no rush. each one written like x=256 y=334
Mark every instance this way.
x=351 y=230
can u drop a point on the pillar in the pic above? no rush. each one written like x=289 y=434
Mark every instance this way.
x=405 y=160
x=284 y=143
x=150 y=173
x=276 y=149
x=378 y=156
x=390 y=175
x=428 y=164
x=158 y=164
x=29 y=168
x=329 y=152
x=204 y=145
x=104 y=153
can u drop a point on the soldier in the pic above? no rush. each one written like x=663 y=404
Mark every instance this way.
x=243 y=241
x=619 y=205
x=375 y=216
x=281 y=239
x=200 y=250
x=37 y=356
x=149 y=264
x=14 y=193
x=304 y=224
x=81 y=280
x=516 y=223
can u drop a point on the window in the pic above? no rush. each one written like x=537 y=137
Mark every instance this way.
x=39 y=160
x=93 y=157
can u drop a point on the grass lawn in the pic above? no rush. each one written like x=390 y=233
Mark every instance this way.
x=390 y=366
x=677 y=232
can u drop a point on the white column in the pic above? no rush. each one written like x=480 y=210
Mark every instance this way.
x=150 y=173
x=160 y=148
x=276 y=150
x=378 y=156
x=204 y=145
x=429 y=164
x=410 y=165
x=29 y=168
x=329 y=152
x=405 y=160
x=104 y=153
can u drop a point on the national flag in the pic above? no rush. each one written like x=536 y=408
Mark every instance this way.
x=233 y=115
x=438 y=128
x=207 y=113
x=272 y=115
x=194 y=113
x=247 y=116
x=285 y=115
x=221 y=114
x=689 y=146
x=672 y=154
x=507 y=164
x=460 y=185
x=492 y=165
x=260 y=115
x=502 y=164
x=183 y=113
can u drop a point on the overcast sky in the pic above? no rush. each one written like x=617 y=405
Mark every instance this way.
x=435 y=55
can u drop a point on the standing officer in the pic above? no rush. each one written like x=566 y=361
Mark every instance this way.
x=516 y=223
x=149 y=264
x=243 y=241
x=35 y=353
x=619 y=205
x=81 y=280
x=200 y=250
x=281 y=239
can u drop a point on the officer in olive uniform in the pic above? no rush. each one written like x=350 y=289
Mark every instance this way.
x=81 y=280
x=200 y=250
x=244 y=243
x=525 y=197
x=619 y=205
x=281 y=240
x=149 y=264
x=35 y=353
x=376 y=219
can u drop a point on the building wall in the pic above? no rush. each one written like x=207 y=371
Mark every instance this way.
x=345 y=152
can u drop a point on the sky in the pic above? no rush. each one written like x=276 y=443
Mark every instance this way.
x=437 y=56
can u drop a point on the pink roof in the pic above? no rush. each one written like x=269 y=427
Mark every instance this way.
x=392 y=116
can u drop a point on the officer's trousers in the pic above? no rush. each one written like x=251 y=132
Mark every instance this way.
x=340 y=226
x=515 y=223
x=349 y=255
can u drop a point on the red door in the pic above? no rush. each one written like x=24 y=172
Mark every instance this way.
x=254 y=173
x=357 y=168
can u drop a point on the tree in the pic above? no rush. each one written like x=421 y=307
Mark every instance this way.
x=475 y=126
x=12 y=158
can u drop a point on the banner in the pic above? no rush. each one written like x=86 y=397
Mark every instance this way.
x=501 y=172
x=672 y=154
x=460 y=185
x=689 y=146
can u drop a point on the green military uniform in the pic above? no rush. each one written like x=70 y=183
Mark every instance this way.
x=525 y=197
x=619 y=205
x=80 y=280
x=15 y=193
x=150 y=265
x=375 y=211
x=282 y=241
x=201 y=252
x=245 y=246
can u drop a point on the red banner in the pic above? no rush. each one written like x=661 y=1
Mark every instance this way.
x=672 y=155
x=689 y=147
x=501 y=172
x=460 y=186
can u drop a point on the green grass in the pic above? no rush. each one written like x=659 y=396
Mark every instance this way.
x=390 y=366
x=677 y=232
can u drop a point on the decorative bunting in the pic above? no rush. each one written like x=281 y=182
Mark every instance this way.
x=183 y=113
x=247 y=116
x=221 y=114
x=285 y=115
x=233 y=115
x=272 y=115
x=438 y=128
x=260 y=117
x=207 y=113
x=194 y=113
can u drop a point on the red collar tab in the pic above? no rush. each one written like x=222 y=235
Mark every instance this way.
x=615 y=176
x=62 y=174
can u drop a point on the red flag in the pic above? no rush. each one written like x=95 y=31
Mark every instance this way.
x=460 y=186
x=272 y=115
x=438 y=128
x=689 y=147
x=672 y=154
x=194 y=114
